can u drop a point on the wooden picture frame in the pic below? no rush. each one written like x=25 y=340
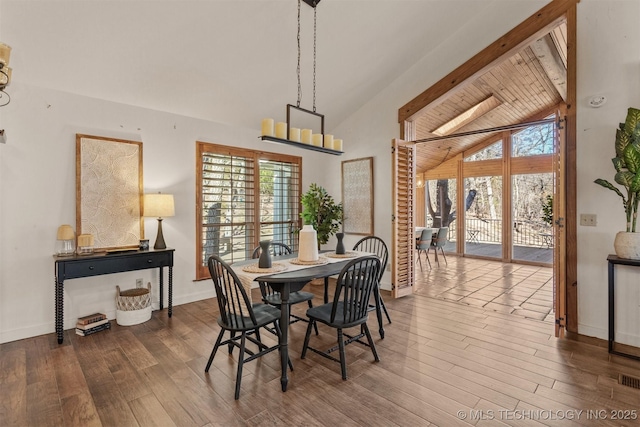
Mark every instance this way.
x=109 y=191
x=357 y=196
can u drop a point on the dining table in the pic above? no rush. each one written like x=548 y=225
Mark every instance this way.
x=294 y=277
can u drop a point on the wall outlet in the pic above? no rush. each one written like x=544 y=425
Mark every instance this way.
x=588 y=220
x=138 y=283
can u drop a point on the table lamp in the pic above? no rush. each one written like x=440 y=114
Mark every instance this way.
x=160 y=206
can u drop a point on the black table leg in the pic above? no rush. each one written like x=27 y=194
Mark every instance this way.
x=284 y=336
x=161 y=289
x=59 y=295
x=611 y=308
x=170 y=291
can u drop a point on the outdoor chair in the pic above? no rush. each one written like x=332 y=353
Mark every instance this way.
x=439 y=242
x=423 y=243
x=239 y=315
x=270 y=296
x=349 y=308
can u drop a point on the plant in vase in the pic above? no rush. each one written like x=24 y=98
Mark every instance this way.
x=627 y=166
x=321 y=211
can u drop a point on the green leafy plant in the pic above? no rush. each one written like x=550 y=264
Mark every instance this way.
x=320 y=210
x=627 y=165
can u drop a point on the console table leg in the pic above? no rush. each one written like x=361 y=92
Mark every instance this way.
x=161 y=289
x=170 y=291
x=611 y=307
x=59 y=302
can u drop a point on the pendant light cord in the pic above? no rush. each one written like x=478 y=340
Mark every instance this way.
x=315 y=18
x=315 y=9
x=298 y=69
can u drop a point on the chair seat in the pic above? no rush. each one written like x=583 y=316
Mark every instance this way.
x=264 y=314
x=322 y=313
x=294 y=298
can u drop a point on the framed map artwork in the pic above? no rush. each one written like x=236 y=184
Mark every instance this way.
x=109 y=191
x=357 y=196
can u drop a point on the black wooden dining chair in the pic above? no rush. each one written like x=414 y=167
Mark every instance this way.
x=239 y=315
x=349 y=308
x=270 y=296
x=377 y=246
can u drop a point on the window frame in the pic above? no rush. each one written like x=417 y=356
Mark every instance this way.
x=203 y=148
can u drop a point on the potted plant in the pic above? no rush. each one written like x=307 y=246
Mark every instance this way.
x=320 y=211
x=627 y=165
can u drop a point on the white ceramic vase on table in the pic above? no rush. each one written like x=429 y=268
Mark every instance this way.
x=308 y=244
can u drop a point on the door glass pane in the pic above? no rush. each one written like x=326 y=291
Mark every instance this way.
x=483 y=219
x=532 y=199
x=440 y=207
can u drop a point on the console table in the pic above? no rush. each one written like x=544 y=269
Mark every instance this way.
x=613 y=260
x=77 y=266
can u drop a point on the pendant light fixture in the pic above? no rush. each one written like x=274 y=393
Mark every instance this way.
x=284 y=132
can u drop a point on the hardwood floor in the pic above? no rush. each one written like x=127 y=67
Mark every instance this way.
x=442 y=363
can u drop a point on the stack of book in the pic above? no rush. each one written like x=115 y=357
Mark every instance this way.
x=91 y=324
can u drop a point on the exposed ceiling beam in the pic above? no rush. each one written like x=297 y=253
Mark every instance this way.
x=551 y=61
x=468 y=116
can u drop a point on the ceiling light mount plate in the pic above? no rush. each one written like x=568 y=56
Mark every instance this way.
x=597 y=101
x=312 y=3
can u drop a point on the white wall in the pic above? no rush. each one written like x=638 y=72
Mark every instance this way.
x=37 y=171
x=608 y=64
x=37 y=190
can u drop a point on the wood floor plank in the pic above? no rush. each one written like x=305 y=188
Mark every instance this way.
x=78 y=410
x=149 y=412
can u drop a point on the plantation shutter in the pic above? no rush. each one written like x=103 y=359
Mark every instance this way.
x=404 y=190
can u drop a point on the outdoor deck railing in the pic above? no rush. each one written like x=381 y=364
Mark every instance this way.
x=524 y=233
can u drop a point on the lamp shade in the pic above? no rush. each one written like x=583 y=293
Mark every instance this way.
x=65 y=232
x=5 y=53
x=159 y=205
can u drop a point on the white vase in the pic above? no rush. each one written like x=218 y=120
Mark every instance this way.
x=627 y=245
x=308 y=244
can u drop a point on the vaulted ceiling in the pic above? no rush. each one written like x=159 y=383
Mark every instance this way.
x=521 y=88
x=234 y=61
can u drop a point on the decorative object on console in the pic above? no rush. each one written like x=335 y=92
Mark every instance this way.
x=160 y=206
x=5 y=73
x=144 y=245
x=65 y=245
x=85 y=244
x=627 y=166
x=301 y=136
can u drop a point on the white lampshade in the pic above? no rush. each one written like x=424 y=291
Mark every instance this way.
x=158 y=205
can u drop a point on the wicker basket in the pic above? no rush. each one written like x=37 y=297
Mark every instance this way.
x=133 y=306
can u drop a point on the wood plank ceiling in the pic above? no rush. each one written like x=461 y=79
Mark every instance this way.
x=520 y=89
